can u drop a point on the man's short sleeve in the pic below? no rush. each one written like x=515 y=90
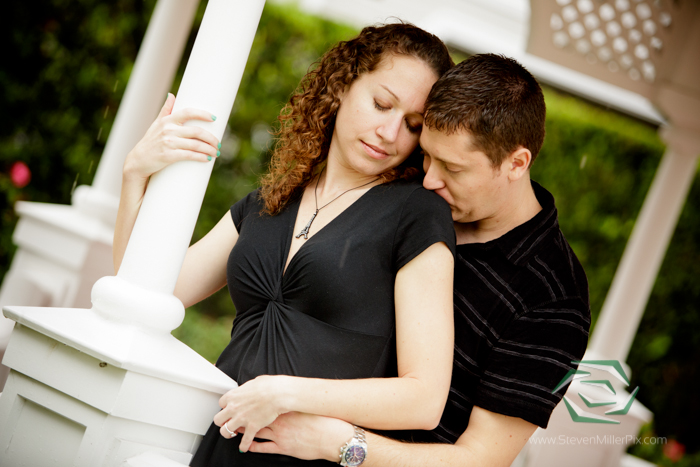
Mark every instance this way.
x=530 y=359
x=425 y=219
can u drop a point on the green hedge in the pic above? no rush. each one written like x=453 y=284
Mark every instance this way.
x=65 y=67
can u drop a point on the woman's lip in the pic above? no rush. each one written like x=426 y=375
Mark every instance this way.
x=374 y=151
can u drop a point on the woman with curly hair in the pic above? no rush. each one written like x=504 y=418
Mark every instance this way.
x=340 y=266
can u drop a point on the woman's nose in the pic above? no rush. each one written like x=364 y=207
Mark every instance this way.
x=389 y=129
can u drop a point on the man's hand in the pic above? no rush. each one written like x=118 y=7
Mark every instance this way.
x=490 y=439
x=304 y=436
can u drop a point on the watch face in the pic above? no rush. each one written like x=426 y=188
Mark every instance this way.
x=355 y=455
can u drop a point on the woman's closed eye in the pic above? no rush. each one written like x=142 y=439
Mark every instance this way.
x=380 y=107
x=412 y=127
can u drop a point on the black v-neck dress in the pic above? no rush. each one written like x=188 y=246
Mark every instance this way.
x=331 y=314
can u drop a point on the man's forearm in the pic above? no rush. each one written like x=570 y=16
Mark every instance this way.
x=312 y=437
x=385 y=452
x=490 y=439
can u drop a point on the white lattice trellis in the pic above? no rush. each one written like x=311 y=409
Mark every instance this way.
x=625 y=42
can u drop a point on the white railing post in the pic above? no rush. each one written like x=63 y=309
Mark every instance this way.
x=164 y=227
x=63 y=250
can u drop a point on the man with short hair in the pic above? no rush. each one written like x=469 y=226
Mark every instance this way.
x=520 y=295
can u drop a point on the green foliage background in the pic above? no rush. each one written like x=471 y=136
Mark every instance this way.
x=67 y=63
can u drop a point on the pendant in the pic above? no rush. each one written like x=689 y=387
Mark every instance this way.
x=305 y=230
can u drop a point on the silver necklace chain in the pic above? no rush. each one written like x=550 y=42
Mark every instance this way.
x=305 y=230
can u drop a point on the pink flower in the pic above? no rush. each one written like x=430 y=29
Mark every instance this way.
x=674 y=450
x=20 y=174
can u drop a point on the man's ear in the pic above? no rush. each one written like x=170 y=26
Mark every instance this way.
x=518 y=163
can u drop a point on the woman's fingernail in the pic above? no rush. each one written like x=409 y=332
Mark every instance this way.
x=219 y=145
x=218 y=153
x=209 y=158
x=213 y=118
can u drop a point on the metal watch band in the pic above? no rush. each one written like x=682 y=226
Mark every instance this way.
x=357 y=447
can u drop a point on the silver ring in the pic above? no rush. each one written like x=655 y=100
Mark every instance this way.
x=232 y=433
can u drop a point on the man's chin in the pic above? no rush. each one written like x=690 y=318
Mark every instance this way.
x=462 y=217
x=457 y=215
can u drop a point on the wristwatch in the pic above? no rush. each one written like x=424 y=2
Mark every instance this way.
x=354 y=452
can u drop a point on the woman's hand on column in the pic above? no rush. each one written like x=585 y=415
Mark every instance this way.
x=253 y=406
x=168 y=140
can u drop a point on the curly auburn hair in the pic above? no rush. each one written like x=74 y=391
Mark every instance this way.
x=308 y=120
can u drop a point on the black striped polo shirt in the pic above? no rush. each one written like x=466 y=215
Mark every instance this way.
x=521 y=316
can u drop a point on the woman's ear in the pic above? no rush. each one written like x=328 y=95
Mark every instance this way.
x=342 y=93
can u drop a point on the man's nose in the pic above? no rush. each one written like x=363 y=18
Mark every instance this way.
x=432 y=180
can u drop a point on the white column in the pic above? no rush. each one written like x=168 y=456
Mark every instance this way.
x=63 y=250
x=646 y=248
x=142 y=291
x=151 y=77
x=111 y=386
